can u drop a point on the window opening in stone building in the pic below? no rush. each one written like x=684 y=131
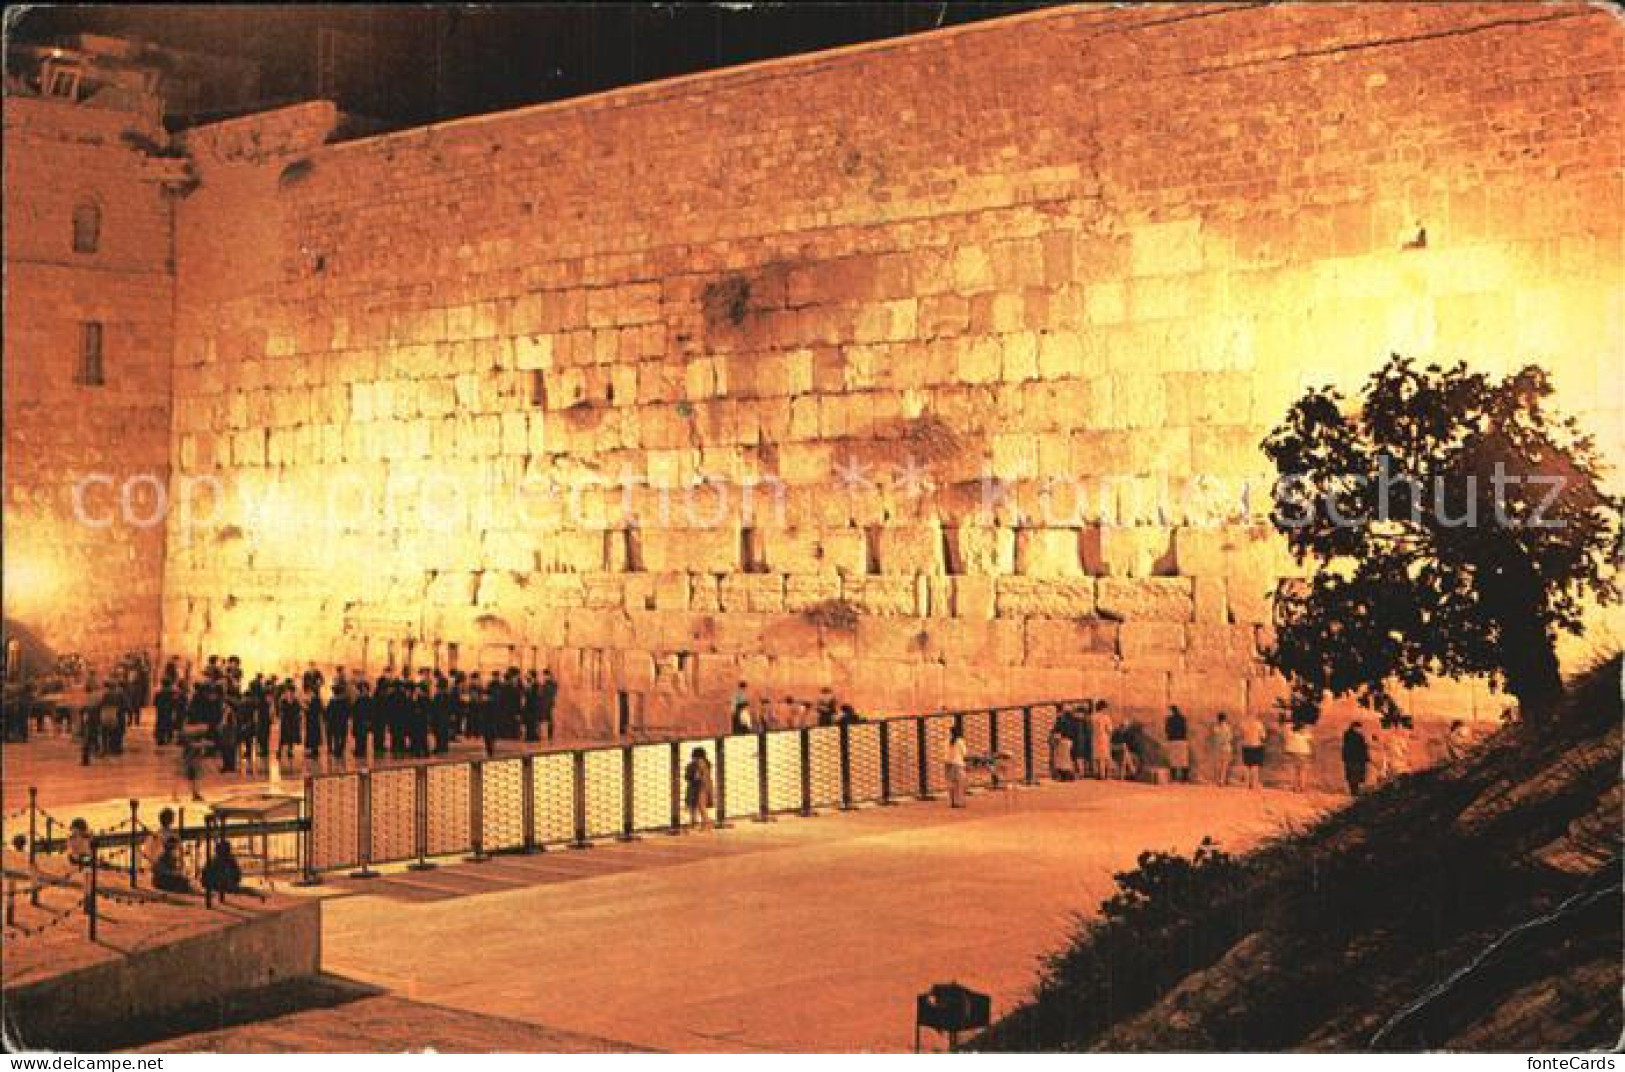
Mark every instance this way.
x=538 y=389
x=951 y=562
x=87 y=227
x=752 y=555
x=91 y=373
x=871 y=550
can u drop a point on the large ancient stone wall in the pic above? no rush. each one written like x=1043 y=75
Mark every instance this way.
x=453 y=382
x=90 y=588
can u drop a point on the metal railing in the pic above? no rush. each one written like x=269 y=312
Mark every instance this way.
x=536 y=802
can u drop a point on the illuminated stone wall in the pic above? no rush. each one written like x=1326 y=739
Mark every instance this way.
x=86 y=588
x=903 y=281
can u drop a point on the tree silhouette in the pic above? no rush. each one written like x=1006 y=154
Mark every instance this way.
x=1455 y=526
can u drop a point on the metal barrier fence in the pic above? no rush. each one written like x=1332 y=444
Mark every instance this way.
x=531 y=803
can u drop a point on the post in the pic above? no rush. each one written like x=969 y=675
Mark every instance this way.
x=420 y=819
x=676 y=789
x=993 y=744
x=763 y=813
x=579 y=769
x=1031 y=776
x=527 y=801
x=476 y=810
x=363 y=830
x=722 y=784
x=135 y=824
x=208 y=856
x=90 y=889
x=628 y=796
x=846 y=766
x=885 y=764
x=307 y=837
x=923 y=756
x=33 y=827
x=805 y=739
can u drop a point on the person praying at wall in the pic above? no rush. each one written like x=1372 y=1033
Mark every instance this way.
x=1100 y=740
x=314 y=715
x=290 y=720
x=442 y=714
x=764 y=712
x=361 y=718
x=698 y=789
x=1176 y=732
x=531 y=708
x=1252 y=751
x=549 y=697
x=827 y=707
x=1061 y=735
x=739 y=711
x=1222 y=739
x=953 y=767
x=1081 y=726
x=337 y=719
x=1299 y=747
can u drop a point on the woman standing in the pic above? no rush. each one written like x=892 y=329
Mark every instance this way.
x=1223 y=739
x=698 y=789
x=953 y=766
x=1300 y=750
x=1100 y=740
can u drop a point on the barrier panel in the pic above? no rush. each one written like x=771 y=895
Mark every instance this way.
x=824 y=761
x=738 y=782
x=502 y=809
x=652 y=786
x=392 y=816
x=552 y=786
x=783 y=770
x=543 y=800
x=604 y=791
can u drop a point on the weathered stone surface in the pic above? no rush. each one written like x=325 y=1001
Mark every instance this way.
x=1157 y=599
x=942 y=340
x=1027 y=597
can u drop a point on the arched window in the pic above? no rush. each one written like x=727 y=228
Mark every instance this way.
x=87 y=227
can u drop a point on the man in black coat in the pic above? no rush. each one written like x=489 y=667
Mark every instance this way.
x=1356 y=758
x=546 y=697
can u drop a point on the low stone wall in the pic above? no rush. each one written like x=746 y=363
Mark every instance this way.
x=72 y=1010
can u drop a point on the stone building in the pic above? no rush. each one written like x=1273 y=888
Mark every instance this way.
x=933 y=369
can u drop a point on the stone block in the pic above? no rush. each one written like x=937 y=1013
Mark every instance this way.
x=1220 y=645
x=1028 y=597
x=1085 y=644
x=1152 y=599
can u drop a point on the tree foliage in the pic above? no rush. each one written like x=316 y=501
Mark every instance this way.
x=1454 y=524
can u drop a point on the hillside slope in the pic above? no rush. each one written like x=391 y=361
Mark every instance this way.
x=1475 y=906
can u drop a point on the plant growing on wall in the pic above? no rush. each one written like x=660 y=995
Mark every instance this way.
x=1455 y=525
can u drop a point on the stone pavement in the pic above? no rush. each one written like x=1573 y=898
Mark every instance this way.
x=802 y=934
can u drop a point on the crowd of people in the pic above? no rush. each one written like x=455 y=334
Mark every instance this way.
x=744 y=716
x=1086 y=742
x=400 y=715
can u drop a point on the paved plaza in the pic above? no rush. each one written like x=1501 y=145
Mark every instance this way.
x=801 y=934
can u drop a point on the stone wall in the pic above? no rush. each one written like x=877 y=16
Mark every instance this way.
x=918 y=299
x=77 y=587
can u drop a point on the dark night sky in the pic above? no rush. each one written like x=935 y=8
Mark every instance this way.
x=412 y=64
